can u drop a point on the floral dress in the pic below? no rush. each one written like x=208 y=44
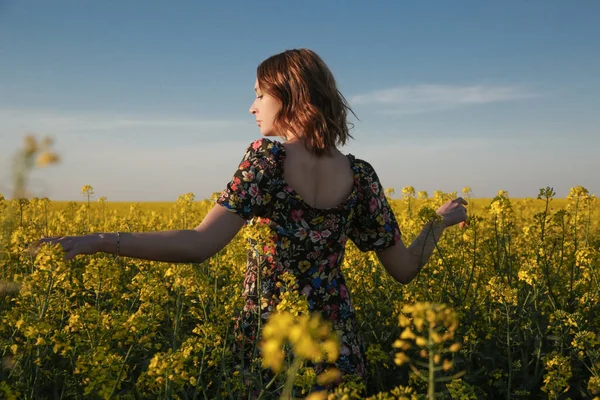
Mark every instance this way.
x=307 y=242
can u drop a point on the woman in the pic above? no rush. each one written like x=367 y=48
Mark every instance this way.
x=312 y=197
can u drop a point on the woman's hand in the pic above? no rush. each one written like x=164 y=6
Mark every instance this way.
x=75 y=245
x=453 y=211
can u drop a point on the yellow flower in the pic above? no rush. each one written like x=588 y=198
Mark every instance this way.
x=272 y=355
x=332 y=349
x=594 y=384
x=447 y=365
x=455 y=347
x=401 y=344
x=308 y=349
x=47 y=158
x=403 y=320
x=311 y=339
x=407 y=334
x=295 y=333
x=408 y=191
x=330 y=375
x=437 y=338
x=419 y=322
x=322 y=395
x=401 y=358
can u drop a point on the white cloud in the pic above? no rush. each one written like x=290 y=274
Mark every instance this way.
x=427 y=97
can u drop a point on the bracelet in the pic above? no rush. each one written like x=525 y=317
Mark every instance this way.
x=118 y=246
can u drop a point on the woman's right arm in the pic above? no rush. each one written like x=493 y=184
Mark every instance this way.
x=246 y=195
x=217 y=229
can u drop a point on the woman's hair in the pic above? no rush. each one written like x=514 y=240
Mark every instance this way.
x=311 y=102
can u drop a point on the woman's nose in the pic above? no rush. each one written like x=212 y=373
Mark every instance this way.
x=252 y=109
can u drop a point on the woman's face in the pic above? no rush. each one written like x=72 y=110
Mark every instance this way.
x=265 y=109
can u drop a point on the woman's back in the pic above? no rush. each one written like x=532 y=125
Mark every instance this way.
x=322 y=181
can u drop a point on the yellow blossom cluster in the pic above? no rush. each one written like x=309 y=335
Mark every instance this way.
x=594 y=385
x=527 y=273
x=559 y=372
x=428 y=327
x=502 y=293
x=34 y=154
x=311 y=339
x=290 y=300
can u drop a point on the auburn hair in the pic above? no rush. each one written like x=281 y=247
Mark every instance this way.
x=311 y=102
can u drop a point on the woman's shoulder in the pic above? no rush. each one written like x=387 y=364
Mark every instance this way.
x=264 y=147
x=363 y=168
x=266 y=155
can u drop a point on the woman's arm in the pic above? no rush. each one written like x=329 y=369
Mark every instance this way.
x=217 y=229
x=404 y=263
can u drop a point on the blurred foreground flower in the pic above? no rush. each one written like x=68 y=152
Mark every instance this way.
x=34 y=154
x=311 y=339
x=47 y=158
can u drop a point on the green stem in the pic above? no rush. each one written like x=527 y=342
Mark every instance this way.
x=116 y=385
x=431 y=385
x=291 y=376
x=508 y=350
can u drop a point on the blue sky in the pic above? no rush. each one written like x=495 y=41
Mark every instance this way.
x=148 y=100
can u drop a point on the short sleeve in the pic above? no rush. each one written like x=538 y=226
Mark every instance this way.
x=373 y=225
x=248 y=192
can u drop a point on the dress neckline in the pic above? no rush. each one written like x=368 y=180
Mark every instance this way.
x=291 y=191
